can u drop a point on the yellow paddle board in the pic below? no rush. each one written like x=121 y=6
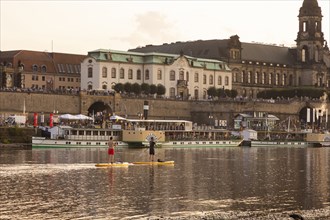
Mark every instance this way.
x=112 y=164
x=170 y=162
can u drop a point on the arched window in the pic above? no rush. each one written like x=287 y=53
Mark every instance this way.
x=211 y=80
x=226 y=80
x=219 y=80
x=113 y=73
x=122 y=73
x=172 y=92
x=196 y=94
x=147 y=76
x=304 y=26
x=204 y=79
x=130 y=74
x=256 y=75
x=303 y=55
x=196 y=77
x=277 y=79
x=187 y=76
x=104 y=87
x=317 y=57
x=34 y=68
x=204 y=94
x=181 y=75
x=104 y=72
x=90 y=72
x=172 y=75
x=90 y=87
x=283 y=79
x=263 y=78
x=249 y=77
x=159 y=75
x=138 y=74
x=270 y=78
x=43 y=69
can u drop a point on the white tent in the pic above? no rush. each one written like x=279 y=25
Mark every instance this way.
x=83 y=117
x=68 y=117
x=117 y=117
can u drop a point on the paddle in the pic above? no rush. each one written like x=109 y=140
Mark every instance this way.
x=143 y=151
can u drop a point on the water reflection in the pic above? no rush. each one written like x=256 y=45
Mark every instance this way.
x=250 y=182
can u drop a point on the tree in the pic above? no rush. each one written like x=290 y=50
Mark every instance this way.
x=153 y=89
x=145 y=88
x=119 y=87
x=161 y=90
x=212 y=92
x=221 y=93
x=136 y=88
x=128 y=87
x=232 y=93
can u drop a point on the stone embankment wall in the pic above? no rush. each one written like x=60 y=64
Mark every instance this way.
x=201 y=112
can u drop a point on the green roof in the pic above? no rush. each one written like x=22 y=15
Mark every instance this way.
x=103 y=55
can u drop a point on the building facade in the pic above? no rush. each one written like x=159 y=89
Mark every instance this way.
x=23 y=69
x=257 y=67
x=182 y=76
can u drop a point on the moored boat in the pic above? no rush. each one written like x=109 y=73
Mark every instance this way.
x=176 y=133
x=136 y=133
x=69 y=137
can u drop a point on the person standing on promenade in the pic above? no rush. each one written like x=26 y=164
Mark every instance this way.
x=111 y=150
x=151 y=149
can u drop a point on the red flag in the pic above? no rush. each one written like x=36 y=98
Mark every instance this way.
x=35 y=119
x=51 y=120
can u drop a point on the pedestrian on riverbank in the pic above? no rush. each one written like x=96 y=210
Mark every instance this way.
x=151 y=149
x=111 y=150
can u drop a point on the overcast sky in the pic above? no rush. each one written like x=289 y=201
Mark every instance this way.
x=81 y=26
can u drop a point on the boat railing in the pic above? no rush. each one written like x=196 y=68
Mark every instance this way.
x=90 y=137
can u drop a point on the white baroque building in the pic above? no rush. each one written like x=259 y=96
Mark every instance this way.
x=181 y=75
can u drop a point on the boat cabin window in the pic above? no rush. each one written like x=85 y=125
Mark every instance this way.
x=81 y=132
x=73 y=132
x=102 y=133
x=95 y=133
x=88 y=132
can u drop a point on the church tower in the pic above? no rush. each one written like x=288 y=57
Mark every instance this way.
x=312 y=50
x=310 y=40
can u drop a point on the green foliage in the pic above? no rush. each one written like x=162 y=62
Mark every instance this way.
x=291 y=93
x=212 y=92
x=145 y=88
x=153 y=89
x=161 y=90
x=221 y=93
x=136 y=88
x=128 y=87
x=231 y=93
x=119 y=87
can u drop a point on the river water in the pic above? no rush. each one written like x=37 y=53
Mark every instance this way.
x=204 y=183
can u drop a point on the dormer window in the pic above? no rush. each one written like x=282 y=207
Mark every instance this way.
x=43 y=69
x=34 y=68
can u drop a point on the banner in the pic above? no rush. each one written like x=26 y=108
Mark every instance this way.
x=51 y=123
x=35 y=119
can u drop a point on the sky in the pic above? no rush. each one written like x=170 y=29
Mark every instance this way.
x=77 y=27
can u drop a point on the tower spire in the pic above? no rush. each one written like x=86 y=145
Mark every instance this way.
x=310 y=40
